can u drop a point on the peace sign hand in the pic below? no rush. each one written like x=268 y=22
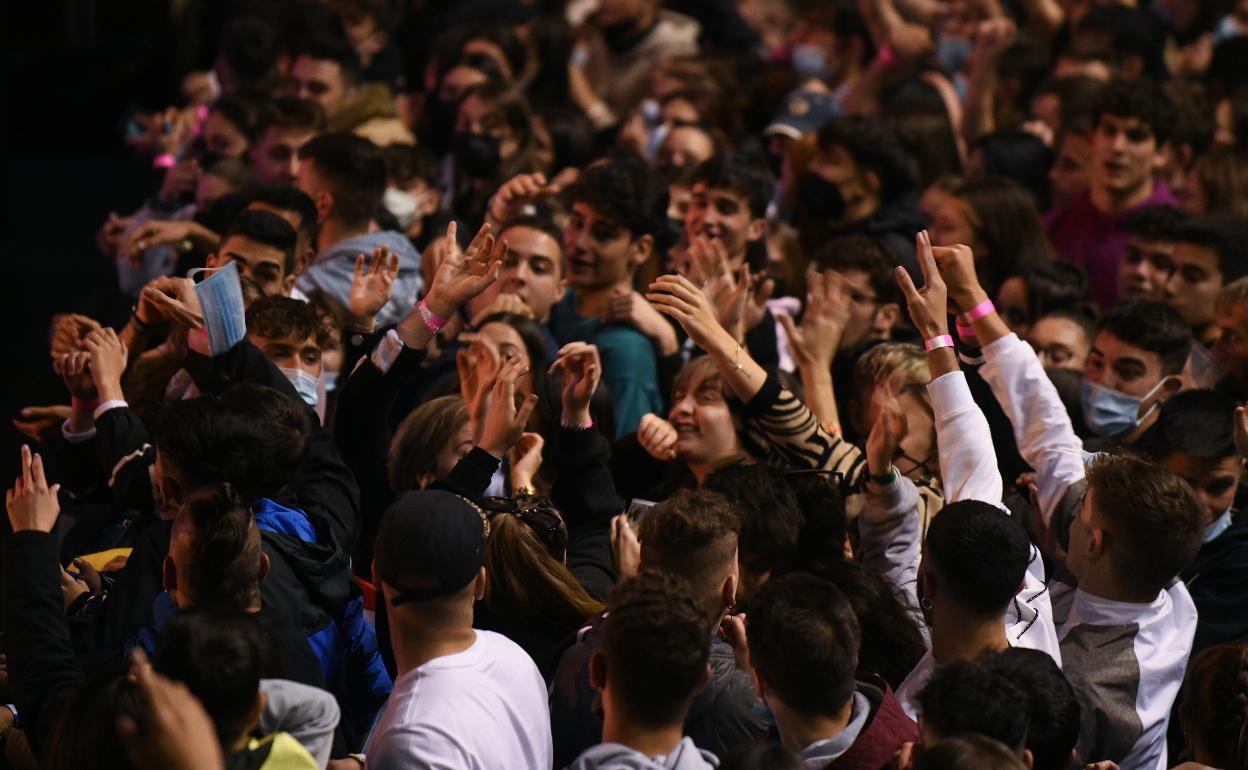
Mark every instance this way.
x=928 y=306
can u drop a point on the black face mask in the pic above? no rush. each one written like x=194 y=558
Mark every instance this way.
x=476 y=154
x=441 y=122
x=620 y=36
x=818 y=199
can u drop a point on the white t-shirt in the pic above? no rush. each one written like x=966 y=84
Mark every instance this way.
x=479 y=709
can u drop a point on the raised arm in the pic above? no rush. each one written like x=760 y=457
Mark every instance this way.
x=968 y=462
x=1041 y=425
x=816 y=341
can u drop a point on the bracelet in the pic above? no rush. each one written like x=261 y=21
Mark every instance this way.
x=134 y=316
x=886 y=56
x=884 y=479
x=77 y=403
x=164 y=160
x=432 y=322
x=736 y=361
x=966 y=332
x=937 y=342
x=981 y=310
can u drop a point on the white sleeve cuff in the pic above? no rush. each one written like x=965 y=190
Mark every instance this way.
x=950 y=393
x=387 y=351
x=107 y=405
x=76 y=438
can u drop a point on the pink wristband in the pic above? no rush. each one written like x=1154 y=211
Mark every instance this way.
x=433 y=323
x=939 y=341
x=886 y=56
x=979 y=311
x=579 y=426
x=165 y=160
x=965 y=332
x=78 y=403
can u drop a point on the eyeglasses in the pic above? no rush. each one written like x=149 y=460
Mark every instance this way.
x=539 y=514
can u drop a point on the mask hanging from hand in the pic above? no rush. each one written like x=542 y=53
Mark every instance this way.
x=221 y=300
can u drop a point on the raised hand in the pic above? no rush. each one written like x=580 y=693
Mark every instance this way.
x=658 y=437
x=886 y=435
x=525 y=459
x=31 y=503
x=631 y=308
x=675 y=297
x=506 y=303
x=517 y=191
x=478 y=365
x=817 y=340
x=108 y=362
x=504 y=419
x=108 y=238
x=928 y=306
x=68 y=331
x=151 y=234
x=371 y=288
x=75 y=370
x=176 y=733
x=42 y=424
x=582 y=370
x=464 y=273
x=169 y=299
x=957 y=268
x=625 y=547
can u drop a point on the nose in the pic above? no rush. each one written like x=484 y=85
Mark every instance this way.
x=292 y=166
x=681 y=408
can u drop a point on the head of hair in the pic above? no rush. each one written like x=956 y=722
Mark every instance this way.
x=224 y=566
x=762 y=756
x=512 y=110
x=1006 y=222
x=249 y=48
x=544 y=222
x=929 y=138
x=1226 y=236
x=266 y=228
x=84 y=736
x=1129 y=32
x=1196 y=423
x=406 y=163
x=526 y=580
x=654 y=645
x=739 y=174
x=622 y=191
x=1161 y=222
x=893 y=364
x=420 y=438
x=1053 y=726
x=233 y=171
x=1222 y=174
x=1214 y=704
x=277 y=317
x=1156 y=521
x=892 y=642
x=289 y=112
x=1076 y=94
x=251 y=436
x=1153 y=327
x=968 y=752
x=980 y=554
x=354 y=172
x=220 y=655
x=693 y=534
x=242 y=113
x=1232 y=294
x=967 y=696
x=861 y=252
x=1054 y=285
x=1021 y=157
x=329 y=47
x=874 y=147
x=771 y=523
x=1140 y=99
x=804 y=642
x=1195 y=123
x=289 y=198
x=1082 y=315
x=534 y=341
x=822 y=507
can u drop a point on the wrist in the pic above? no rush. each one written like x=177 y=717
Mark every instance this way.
x=109 y=391
x=665 y=340
x=363 y=324
x=577 y=418
x=966 y=300
x=884 y=478
x=438 y=306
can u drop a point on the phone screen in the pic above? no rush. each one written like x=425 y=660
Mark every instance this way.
x=638 y=509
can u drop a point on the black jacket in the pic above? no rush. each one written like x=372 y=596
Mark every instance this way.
x=1216 y=579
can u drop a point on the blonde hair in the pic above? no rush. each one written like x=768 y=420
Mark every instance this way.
x=896 y=364
x=1232 y=294
x=422 y=436
x=522 y=575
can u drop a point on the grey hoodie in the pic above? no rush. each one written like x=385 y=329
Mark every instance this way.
x=333 y=269
x=616 y=756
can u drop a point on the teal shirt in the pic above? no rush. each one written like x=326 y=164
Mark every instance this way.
x=629 y=367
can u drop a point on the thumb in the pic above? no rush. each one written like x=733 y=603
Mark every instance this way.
x=526 y=409
x=906 y=284
x=790 y=328
x=765 y=292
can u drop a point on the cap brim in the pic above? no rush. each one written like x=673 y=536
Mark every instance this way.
x=782 y=129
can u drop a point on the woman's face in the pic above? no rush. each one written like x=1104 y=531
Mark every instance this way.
x=477 y=116
x=508 y=345
x=705 y=430
x=458 y=81
x=951 y=225
x=1012 y=305
x=459 y=445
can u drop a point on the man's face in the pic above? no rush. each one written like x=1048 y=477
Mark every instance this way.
x=1124 y=154
x=864 y=306
x=275 y=158
x=533 y=270
x=837 y=166
x=684 y=146
x=222 y=138
x=1214 y=481
x=303 y=241
x=264 y=264
x=1060 y=343
x=291 y=352
x=1083 y=530
x=600 y=253
x=1194 y=285
x=1145 y=268
x=1231 y=348
x=725 y=216
x=319 y=80
x=1122 y=366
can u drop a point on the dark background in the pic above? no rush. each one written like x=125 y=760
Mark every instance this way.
x=72 y=70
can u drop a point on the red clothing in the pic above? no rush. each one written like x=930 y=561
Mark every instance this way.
x=1095 y=241
x=887 y=729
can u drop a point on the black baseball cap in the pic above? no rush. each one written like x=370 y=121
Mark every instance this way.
x=431 y=544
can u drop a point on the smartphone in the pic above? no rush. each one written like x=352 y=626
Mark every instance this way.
x=638 y=508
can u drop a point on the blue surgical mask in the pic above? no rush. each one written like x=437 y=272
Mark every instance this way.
x=811 y=61
x=1112 y=413
x=305 y=384
x=1219 y=525
x=952 y=54
x=221 y=300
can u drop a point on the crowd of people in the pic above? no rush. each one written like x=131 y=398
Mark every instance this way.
x=626 y=384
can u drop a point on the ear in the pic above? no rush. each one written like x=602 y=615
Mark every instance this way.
x=728 y=592
x=1161 y=157
x=324 y=205
x=169 y=575
x=597 y=670
x=171 y=491
x=561 y=290
x=288 y=283
x=479 y=591
x=756 y=229
x=264 y=566
x=1169 y=386
x=871 y=182
x=1096 y=543
x=886 y=317
x=1029 y=759
x=641 y=250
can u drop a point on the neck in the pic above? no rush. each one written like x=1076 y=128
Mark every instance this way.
x=701 y=470
x=1101 y=584
x=333 y=230
x=797 y=731
x=1109 y=201
x=958 y=635
x=860 y=210
x=651 y=741
x=416 y=643
x=593 y=302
